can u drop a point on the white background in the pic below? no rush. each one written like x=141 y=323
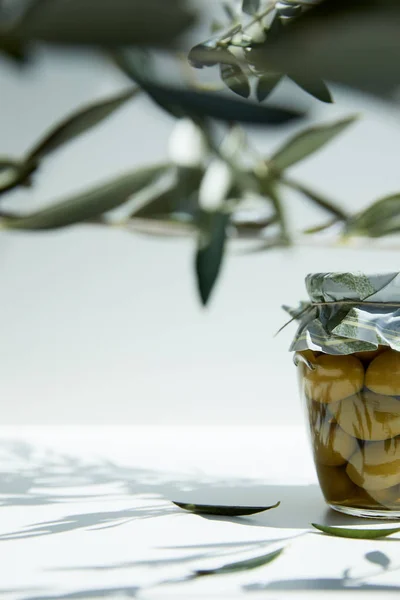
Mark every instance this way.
x=100 y=326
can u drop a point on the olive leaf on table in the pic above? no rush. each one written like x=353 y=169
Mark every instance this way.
x=359 y=534
x=224 y=510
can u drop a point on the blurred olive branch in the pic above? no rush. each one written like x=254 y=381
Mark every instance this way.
x=214 y=186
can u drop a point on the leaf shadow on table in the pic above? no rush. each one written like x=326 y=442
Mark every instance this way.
x=42 y=478
x=321 y=584
x=346 y=582
x=111 y=592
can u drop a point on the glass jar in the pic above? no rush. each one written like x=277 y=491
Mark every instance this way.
x=347 y=352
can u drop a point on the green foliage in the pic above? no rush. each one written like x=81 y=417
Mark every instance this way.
x=14 y=173
x=254 y=50
x=181 y=102
x=235 y=78
x=255 y=64
x=87 y=205
x=338 y=39
x=180 y=200
x=306 y=143
x=210 y=251
x=379 y=219
x=78 y=123
x=266 y=85
x=105 y=23
x=314 y=87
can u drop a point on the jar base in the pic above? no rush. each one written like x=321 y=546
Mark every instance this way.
x=389 y=515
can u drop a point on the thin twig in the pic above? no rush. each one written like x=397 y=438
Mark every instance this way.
x=322 y=202
x=227 y=36
x=259 y=17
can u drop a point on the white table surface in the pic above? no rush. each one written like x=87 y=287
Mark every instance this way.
x=86 y=513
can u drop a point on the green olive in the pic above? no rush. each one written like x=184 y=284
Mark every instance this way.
x=333 y=378
x=335 y=484
x=376 y=466
x=332 y=446
x=383 y=374
x=368 y=416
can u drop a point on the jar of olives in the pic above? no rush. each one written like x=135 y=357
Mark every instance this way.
x=347 y=352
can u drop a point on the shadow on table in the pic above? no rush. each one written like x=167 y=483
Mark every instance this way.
x=28 y=478
x=327 y=584
x=50 y=478
x=114 y=592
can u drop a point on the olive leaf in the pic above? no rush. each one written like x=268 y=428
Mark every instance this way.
x=334 y=52
x=242 y=565
x=105 y=23
x=203 y=55
x=209 y=54
x=89 y=204
x=235 y=78
x=314 y=87
x=210 y=251
x=13 y=173
x=180 y=198
x=362 y=534
x=378 y=558
x=307 y=142
x=79 y=122
x=379 y=219
x=222 y=510
x=256 y=51
x=266 y=85
x=13 y=48
x=276 y=28
x=181 y=102
x=250 y=7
